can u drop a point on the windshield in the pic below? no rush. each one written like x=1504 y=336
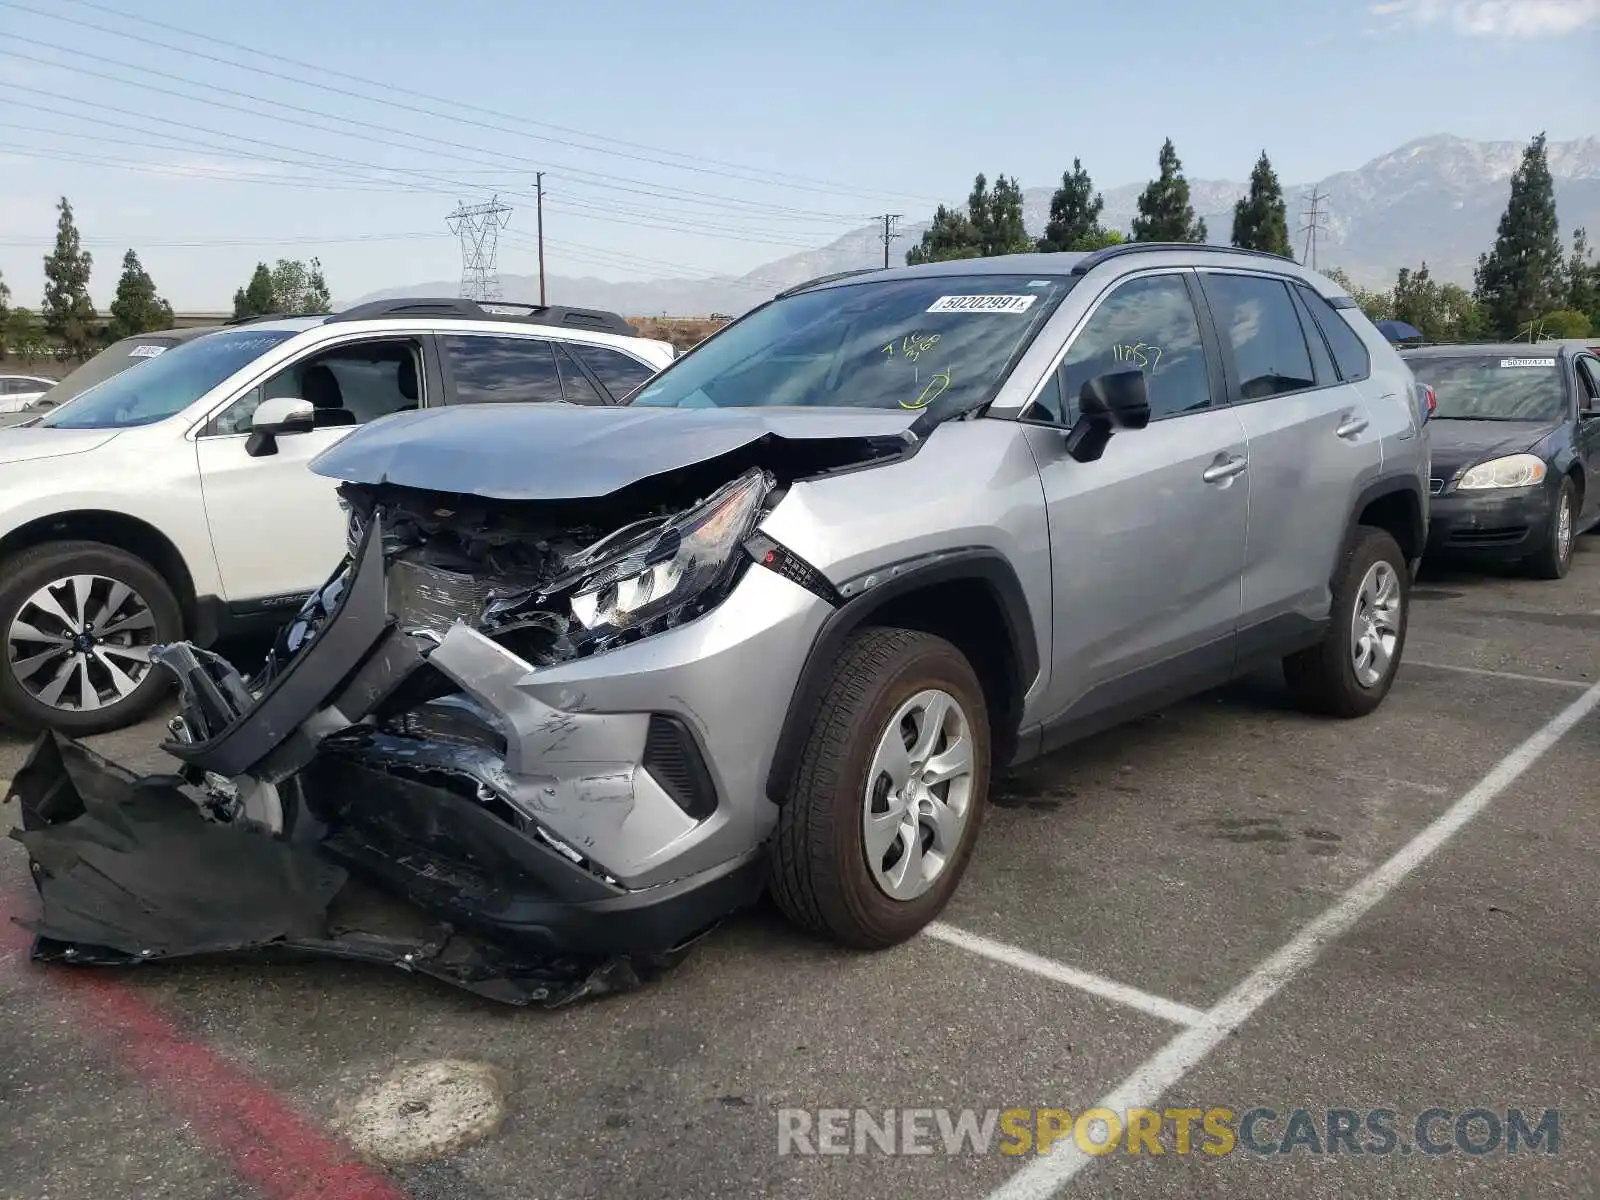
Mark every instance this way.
x=111 y=361
x=1493 y=387
x=943 y=341
x=167 y=384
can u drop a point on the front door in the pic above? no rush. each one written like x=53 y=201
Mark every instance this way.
x=276 y=527
x=1147 y=544
x=1588 y=433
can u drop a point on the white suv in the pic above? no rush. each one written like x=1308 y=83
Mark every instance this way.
x=173 y=500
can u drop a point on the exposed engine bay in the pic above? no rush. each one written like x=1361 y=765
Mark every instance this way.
x=389 y=741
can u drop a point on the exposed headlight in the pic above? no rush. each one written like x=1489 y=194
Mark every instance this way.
x=686 y=559
x=1514 y=470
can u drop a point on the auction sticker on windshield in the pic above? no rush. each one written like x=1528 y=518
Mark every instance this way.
x=983 y=304
x=1527 y=362
x=145 y=351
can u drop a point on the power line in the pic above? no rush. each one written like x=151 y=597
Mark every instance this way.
x=478 y=226
x=888 y=235
x=746 y=174
x=1313 y=227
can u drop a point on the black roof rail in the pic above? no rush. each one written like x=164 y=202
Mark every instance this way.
x=822 y=279
x=1096 y=257
x=254 y=319
x=494 y=310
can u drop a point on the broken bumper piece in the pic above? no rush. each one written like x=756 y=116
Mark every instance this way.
x=133 y=869
x=129 y=870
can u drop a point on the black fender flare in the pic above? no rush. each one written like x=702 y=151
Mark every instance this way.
x=1395 y=485
x=986 y=566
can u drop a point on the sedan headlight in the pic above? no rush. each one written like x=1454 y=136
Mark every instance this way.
x=688 y=559
x=1514 y=470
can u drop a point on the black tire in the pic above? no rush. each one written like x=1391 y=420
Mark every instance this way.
x=22 y=575
x=1323 y=679
x=819 y=875
x=1552 y=562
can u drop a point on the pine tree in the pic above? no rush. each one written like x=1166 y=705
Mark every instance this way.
x=318 y=300
x=1165 y=214
x=1003 y=231
x=1260 y=221
x=1582 y=280
x=950 y=236
x=68 y=312
x=1520 y=278
x=137 y=308
x=255 y=299
x=1074 y=214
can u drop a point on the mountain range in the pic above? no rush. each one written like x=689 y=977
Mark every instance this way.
x=1437 y=199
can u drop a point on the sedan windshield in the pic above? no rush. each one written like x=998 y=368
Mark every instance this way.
x=929 y=341
x=1493 y=387
x=165 y=386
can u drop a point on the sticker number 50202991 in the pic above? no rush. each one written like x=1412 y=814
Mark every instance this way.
x=982 y=304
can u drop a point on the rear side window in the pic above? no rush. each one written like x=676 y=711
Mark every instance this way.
x=574 y=383
x=501 y=370
x=619 y=373
x=1349 y=351
x=1257 y=319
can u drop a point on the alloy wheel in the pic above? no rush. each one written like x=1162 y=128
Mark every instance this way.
x=81 y=643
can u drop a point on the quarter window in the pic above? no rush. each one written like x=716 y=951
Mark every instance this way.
x=1256 y=317
x=619 y=373
x=1349 y=351
x=491 y=370
x=575 y=384
x=1149 y=324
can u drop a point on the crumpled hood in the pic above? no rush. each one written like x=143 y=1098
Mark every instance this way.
x=1460 y=443
x=563 y=451
x=24 y=445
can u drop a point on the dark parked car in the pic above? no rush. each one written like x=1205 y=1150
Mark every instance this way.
x=1516 y=451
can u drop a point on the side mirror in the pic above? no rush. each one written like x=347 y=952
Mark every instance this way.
x=1115 y=400
x=274 y=417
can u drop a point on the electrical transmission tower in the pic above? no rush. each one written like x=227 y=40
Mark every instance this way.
x=1314 y=216
x=478 y=226
x=888 y=235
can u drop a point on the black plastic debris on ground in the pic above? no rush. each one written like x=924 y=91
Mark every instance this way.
x=130 y=870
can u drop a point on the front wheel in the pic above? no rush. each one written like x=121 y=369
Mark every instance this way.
x=1350 y=671
x=885 y=806
x=1552 y=561
x=79 y=619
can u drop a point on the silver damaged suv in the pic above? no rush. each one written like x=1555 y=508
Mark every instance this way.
x=593 y=677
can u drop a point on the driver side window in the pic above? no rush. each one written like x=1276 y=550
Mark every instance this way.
x=349 y=385
x=1148 y=324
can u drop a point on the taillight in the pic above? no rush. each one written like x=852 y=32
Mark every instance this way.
x=1433 y=401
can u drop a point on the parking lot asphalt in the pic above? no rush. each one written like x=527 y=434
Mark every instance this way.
x=1227 y=905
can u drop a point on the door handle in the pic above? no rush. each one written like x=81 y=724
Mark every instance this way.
x=1227 y=469
x=1350 y=426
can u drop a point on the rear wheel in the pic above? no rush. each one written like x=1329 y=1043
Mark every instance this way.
x=79 y=619
x=886 y=804
x=1553 y=561
x=1350 y=671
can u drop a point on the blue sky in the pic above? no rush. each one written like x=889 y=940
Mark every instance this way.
x=697 y=137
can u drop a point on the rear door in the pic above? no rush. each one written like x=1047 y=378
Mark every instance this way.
x=1312 y=450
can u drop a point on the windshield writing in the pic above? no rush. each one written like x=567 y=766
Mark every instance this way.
x=164 y=386
x=909 y=344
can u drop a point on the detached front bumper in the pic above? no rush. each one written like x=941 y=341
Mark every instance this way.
x=607 y=805
x=1498 y=524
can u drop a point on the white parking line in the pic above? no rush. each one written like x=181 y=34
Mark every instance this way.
x=1047 y=1175
x=1434 y=666
x=1084 y=981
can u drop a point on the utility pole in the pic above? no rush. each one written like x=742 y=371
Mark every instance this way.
x=888 y=235
x=538 y=187
x=1312 y=227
